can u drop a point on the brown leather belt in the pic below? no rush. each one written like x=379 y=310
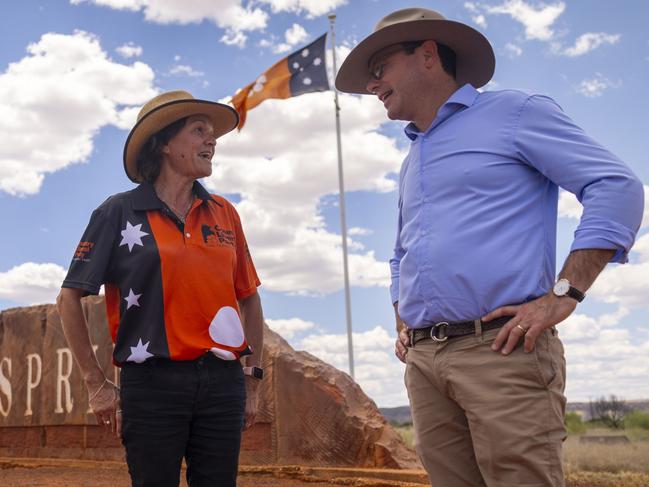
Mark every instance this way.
x=443 y=330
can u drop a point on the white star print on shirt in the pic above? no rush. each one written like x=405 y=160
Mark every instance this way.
x=132 y=299
x=132 y=235
x=139 y=353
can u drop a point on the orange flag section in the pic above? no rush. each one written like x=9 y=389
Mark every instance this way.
x=274 y=83
x=302 y=71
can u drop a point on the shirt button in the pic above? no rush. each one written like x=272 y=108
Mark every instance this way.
x=188 y=235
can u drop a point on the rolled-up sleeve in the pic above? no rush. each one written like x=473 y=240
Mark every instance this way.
x=611 y=194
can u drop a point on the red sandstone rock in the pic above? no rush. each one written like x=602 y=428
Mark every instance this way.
x=309 y=412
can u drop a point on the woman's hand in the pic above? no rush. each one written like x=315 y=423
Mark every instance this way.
x=104 y=401
x=251 y=402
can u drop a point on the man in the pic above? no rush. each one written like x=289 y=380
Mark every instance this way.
x=473 y=271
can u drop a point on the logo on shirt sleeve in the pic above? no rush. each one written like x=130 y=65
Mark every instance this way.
x=83 y=251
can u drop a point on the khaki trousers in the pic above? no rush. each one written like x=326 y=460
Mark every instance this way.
x=484 y=419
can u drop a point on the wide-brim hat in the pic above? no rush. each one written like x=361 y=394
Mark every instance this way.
x=475 y=60
x=165 y=109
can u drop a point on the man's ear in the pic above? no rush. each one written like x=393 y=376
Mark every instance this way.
x=429 y=51
x=165 y=149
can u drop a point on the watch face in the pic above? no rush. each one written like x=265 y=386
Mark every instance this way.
x=257 y=372
x=561 y=287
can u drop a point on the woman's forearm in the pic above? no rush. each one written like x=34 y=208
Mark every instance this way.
x=76 y=333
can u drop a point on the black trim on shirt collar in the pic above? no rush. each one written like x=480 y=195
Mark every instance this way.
x=145 y=197
x=202 y=193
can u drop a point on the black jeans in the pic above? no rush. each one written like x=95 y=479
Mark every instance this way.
x=192 y=409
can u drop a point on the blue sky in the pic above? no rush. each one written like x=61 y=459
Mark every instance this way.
x=73 y=75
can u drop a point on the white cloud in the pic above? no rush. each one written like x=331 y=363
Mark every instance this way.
x=184 y=69
x=129 y=50
x=31 y=283
x=537 y=21
x=55 y=100
x=513 y=50
x=626 y=284
x=234 y=38
x=313 y=8
x=477 y=17
x=377 y=370
x=603 y=357
x=288 y=328
x=480 y=20
x=226 y=14
x=570 y=207
x=359 y=231
x=293 y=36
x=590 y=41
x=641 y=248
x=283 y=163
x=594 y=87
x=296 y=35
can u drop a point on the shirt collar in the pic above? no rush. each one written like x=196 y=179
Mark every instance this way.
x=145 y=197
x=463 y=96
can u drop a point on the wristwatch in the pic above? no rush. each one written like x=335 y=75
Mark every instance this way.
x=254 y=372
x=563 y=288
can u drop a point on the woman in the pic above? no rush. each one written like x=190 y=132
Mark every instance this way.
x=181 y=299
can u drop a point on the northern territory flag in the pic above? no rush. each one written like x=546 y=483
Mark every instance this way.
x=303 y=71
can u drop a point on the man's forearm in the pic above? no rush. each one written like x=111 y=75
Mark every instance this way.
x=399 y=322
x=253 y=326
x=583 y=266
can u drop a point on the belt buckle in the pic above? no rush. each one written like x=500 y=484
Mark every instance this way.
x=436 y=328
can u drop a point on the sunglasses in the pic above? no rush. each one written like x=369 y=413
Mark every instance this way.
x=380 y=61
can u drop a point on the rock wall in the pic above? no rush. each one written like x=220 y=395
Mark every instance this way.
x=310 y=413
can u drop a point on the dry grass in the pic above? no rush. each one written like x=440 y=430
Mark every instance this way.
x=631 y=457
x=592 y=479
x=598 y=465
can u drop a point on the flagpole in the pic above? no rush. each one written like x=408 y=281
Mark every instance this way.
x=341 y=196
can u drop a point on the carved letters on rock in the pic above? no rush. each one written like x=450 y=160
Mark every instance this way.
x=309 y=412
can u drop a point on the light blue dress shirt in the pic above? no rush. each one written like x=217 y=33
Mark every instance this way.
x=478 y=196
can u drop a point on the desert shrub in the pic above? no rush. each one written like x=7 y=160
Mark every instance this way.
x=610 y=411
x=637 y=420
x=407 y=435
x=574 y=424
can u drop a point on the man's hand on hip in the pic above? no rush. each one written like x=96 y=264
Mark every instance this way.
x=403 y=336
x=529 y=320
x=403 y=342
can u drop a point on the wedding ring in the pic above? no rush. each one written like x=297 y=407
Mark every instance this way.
x=523 y=330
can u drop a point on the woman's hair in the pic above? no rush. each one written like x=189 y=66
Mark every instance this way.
x=149 y=160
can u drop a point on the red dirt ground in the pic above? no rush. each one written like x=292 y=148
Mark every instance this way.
x=40 y=472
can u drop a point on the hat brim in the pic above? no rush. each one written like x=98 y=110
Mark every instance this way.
x=224 y=119
x=475 y=57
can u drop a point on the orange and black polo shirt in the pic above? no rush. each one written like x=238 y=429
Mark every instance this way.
x=171 y=288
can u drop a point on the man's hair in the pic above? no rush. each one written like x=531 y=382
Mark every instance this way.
x=446 y=55
x=149 y=160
